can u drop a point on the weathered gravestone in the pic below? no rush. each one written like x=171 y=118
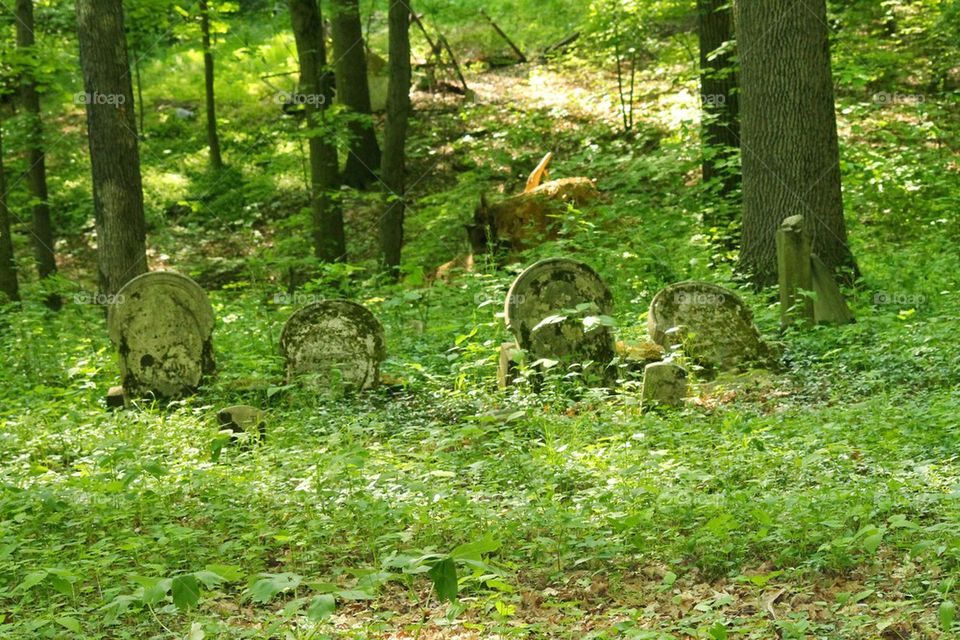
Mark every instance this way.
x=558 y=309
x=664 y=383
x=244 y=422
x=334 y=345
x=713 y=324
x=829 y=307
x=162 y=325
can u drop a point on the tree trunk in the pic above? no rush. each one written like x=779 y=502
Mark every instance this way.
x=353 y=92
x=316 y=92
x=114 y=155
x=789 y=144
x=42 y=230
x=213 y=140
x=720 y=131
x=8 y=268
x=395 y=137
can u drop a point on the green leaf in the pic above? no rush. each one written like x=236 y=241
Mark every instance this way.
x=185 y=591
x=473 y=550
x=32 y=579
x=209 y=578
x=271 y=584
x=228 y=572
x=947 y=614
x=871 y=543
x=444 y=576
x=70 y=624
x=557 y=319
x=321 y=607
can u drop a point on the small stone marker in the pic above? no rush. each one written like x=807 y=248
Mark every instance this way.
x=664 y=383
x=793 y=270
x=713 y=324
x=244 y=421
x=162 y=324
x=538 y=309
x=334 y=345
x=507 y=367
x=116 y=398
x=829 y=307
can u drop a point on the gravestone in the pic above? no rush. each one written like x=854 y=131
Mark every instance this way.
x=664 y=383
x=334 y=345
x=162 y=325
x=713 y=324
x=829 y=307
x=557 y=310
x=794 y=271
x=243 y=421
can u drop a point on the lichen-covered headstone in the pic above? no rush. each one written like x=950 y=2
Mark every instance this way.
x=713 y=324
x=162 y=325
x=559 y=309
x=664 y=383
x=334 y=346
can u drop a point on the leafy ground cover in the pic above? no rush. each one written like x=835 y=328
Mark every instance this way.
x=818 y=501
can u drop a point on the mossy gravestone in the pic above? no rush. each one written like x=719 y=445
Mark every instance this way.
x=334 y=346
x=713 y=324
x=559 y=310
x=162 y=324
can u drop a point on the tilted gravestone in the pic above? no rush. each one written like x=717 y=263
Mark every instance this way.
x=558 y=309
x=162 y=325
x=334 y=345
x=713 y=324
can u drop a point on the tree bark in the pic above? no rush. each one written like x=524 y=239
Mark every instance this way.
x=353 y=92
x=8 y=267
x=790 y=151
x=42 y=229
x=395 y=137
x=316 y=92
x=213 y=140
x=114 y=154
x=720 y=131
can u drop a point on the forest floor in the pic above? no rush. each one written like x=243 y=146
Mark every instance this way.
x=818 y=501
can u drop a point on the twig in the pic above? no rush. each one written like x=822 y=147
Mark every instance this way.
x=506 y=38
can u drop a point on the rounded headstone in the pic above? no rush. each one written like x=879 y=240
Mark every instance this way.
x=334 y=344
x=549 y=289
x=712 y=323
x=162 y=324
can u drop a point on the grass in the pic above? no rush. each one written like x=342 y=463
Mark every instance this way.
x=820 y=501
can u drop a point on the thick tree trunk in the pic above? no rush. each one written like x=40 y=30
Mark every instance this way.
x=720 y=131
x=316 y=92
x=789 y=144
x=353 y=92
x=213 y=140
x=42 y=229
x=395 y=138
x=114 y=155
x=8 y=268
